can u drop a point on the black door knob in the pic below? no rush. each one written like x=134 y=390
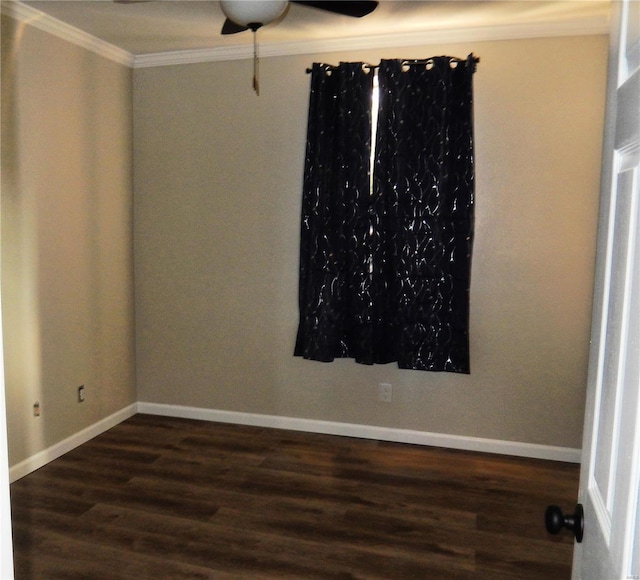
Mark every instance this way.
x=555 y=520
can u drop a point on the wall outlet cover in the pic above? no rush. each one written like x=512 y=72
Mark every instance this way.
x=385 y=392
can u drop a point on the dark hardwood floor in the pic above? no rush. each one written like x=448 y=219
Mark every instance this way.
x=159 y=497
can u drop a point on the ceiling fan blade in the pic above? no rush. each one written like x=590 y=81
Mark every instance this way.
x=356 y=8
x=230 y=27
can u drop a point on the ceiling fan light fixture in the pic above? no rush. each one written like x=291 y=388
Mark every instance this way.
x=253 y=12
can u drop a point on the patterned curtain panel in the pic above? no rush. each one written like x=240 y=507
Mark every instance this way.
x=335 y=295
x=424 y=191
x=385 y=263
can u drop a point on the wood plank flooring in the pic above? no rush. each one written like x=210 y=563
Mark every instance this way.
x=159 y=497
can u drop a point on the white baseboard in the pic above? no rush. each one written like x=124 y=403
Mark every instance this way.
x=549 y=452
x=46 y=455
x=514 y=448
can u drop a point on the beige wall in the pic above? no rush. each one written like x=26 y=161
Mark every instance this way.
x=217 y=203
x=67 y=287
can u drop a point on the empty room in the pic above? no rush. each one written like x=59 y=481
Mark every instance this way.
x=206 y=374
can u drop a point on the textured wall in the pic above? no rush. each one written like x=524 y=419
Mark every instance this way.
x=67 y=267
x=217 y=203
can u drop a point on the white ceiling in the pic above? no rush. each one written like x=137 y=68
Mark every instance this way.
x=171 y=26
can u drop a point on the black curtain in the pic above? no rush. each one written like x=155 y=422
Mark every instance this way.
x=385 y=263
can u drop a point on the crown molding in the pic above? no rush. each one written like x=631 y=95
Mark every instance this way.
x=449 y=36
x=46 y=23
x=40 y=20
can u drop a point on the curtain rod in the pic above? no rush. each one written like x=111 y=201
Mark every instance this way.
x=471 y=58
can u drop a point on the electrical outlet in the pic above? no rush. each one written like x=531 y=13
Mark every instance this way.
x=36 y=409
x=81 y=394
x=385 y=391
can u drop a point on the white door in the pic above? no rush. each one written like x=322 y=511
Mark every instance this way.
x=610 y=473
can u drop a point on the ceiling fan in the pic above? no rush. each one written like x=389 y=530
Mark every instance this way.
x=251 y=15
x=246 y=15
